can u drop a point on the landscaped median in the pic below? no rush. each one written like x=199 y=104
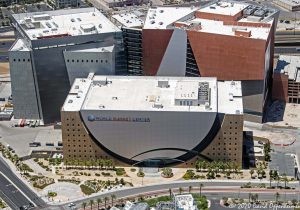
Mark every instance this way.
x=253 y=201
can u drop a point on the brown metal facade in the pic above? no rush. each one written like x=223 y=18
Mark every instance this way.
x=155 y=43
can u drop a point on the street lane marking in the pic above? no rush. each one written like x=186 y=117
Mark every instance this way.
x=17 y=188
x=11 y=202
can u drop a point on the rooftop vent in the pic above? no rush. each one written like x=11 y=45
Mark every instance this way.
x=158 y=105
x=114 y=98
x=48 y=25
x=163 y=84
x=160 y=23
x=101 y=106
x=161 y=11
x=76 y=86
x=70 y=101
x=230 y=96
x=152 y=22
x=41 y=17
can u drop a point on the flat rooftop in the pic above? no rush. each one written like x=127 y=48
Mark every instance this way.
x=289 y=65
x=224 y=8
x=161 y=17
x=256 y=20
x=61 y=23
x=199 y=94
x=129 y=19
x=292 y=3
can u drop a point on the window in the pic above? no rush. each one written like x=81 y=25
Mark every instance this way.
x=96 y=61
x=87 y=61
x=19 y=59
x=14 y=59
x=28 y=60
x=92 y=61
x=68 y=60
x=82 y=61
x=101 y=61
x=77 y=61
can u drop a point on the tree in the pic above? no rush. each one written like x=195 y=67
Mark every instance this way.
x=271 y=177
x=200 y=189
x=170 y=192
x=98 y=202
x=254 y=197
x=83 y=205
x=113 y=197
x=277 y=196
x=105 y=201
x=285 y=179
x=180 y=190
x=190 y=189
x=251 y=173
x=91 y=203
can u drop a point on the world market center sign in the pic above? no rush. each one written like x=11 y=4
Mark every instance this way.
x=118 y=119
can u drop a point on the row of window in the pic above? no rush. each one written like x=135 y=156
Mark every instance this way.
x=69 y=140
x=227 y=154
x=227 y=143
x=230 y=133
x=73 y=124
x=86 y=156
x=21 y=60
x=90 y=156
x=86 y=61
x=73 y=130
x=223 y=148
x=79 y=145
x=82 y=151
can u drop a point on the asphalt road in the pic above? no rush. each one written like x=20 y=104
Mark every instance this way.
x=11 y=194
x=215 y=195
x=214 y=190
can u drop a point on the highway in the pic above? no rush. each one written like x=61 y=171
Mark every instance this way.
x=14 y=192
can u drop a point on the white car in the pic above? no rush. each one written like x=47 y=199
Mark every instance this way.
x=71 y=205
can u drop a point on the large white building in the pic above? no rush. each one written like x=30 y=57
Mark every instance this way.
x=153 y=120
x=292 y=5
x=52 y=49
